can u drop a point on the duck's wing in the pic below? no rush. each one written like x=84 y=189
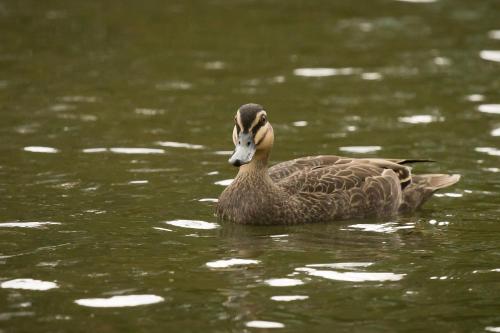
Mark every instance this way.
x=284 y=169
x=346 y=175
x=352 y=188
x=327 y=166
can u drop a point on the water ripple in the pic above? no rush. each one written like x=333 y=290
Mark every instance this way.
x=323 y=72
x=214 y=65
x=40 y=149
x=79 y=99
x=25 y=224
x=449 y=194
x=138 y=182
x=120 y=301
x=420 y=119
x=342 y=265
x=264 y=324
x=231 y=262
x=223 y=152
x=284 y=282
x=193 y=224
x=475 y=98
x=488 y=150
x=149 y=112
x=438 y=223
x=208 y=200
x=174 y=85
x=389 y=227
x=225 y=182
x=494 y=270
x=300 y=123
x=62 y=107
x=371 y=76
x=28 y=284
x=162 y=229
x=173 y=144
x=489 y=108
x=491 y=55
x=124 y=150
x=352 y=276
x=289 y=298
x=360 y=149
x=94 y=150
x=494 y=34
x=417 y=1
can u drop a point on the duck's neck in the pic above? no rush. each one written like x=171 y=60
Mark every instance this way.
x=257 y=168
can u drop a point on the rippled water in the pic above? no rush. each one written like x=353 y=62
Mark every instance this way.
x=115 y=131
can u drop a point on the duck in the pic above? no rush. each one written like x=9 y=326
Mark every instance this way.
x=315 y=188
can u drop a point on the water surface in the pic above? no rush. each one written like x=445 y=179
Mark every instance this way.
x=116 y=123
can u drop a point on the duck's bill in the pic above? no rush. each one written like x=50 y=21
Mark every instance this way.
x=244 y=150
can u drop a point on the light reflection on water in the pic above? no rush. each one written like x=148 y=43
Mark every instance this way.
x=283 y=282
x=388 y=227
x=418 y=1
x=173 y=144
x=360 y=149
x=495 y=34
x=264 y=324
x=289 y=298
x=488 y=150
x=351 y=276
x=25 y=224
x=489 y=108
x=231 y=262
x=491 y=55
x=38 y=149
x=28 y=284
x=420 y=119
x=193 y=224
x=120 y=301
x=224 y=182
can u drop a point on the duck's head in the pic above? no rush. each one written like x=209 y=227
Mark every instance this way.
x=253 y=135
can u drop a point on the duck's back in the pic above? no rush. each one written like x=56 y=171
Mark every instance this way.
x=341 y=188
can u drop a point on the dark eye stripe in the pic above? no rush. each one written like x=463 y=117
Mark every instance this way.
x=256 y=128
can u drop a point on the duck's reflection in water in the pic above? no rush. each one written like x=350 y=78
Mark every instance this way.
x=313 y=255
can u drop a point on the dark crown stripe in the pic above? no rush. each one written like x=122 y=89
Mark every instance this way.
x=248 y=112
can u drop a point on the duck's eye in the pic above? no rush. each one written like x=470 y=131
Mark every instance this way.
x=263 y=120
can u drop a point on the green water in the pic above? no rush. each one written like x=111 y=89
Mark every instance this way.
x=80 y=79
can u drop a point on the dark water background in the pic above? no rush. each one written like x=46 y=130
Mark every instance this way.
x=84 y=84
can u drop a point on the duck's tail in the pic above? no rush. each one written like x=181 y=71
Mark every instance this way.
x=422 y=187
x=435 y=182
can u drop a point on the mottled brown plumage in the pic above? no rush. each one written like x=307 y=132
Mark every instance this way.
x=315 y=188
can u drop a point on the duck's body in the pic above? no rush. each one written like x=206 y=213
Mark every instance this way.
x=315 y=188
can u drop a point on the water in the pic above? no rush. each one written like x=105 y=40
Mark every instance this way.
x=115 y=124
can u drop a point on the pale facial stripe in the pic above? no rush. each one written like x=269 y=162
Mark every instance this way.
x=238 y=120
x=261 y=134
